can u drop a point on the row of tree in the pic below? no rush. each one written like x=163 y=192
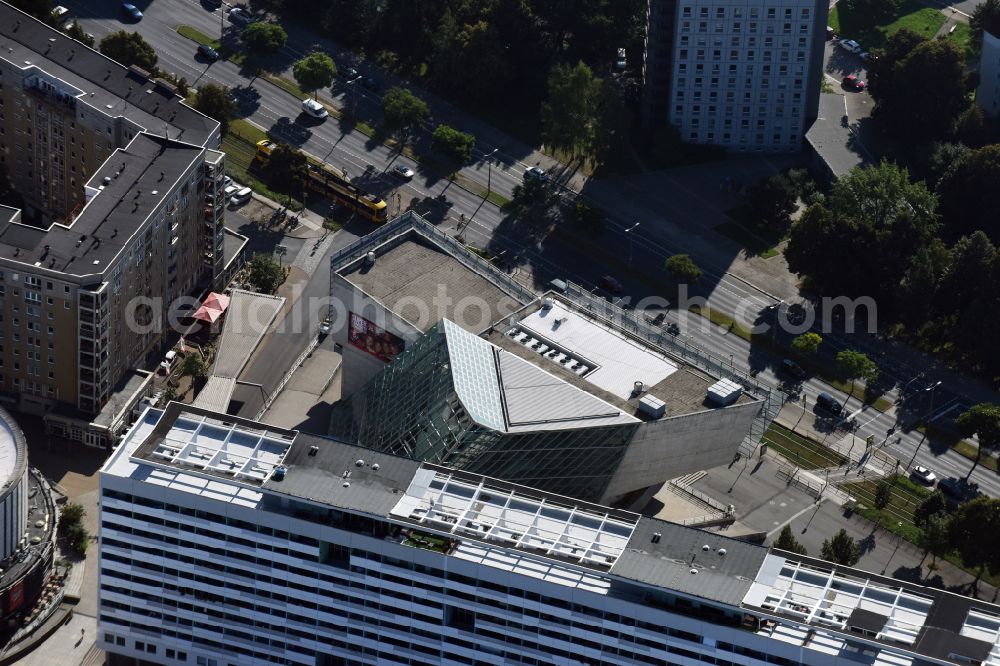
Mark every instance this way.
x=936 y=277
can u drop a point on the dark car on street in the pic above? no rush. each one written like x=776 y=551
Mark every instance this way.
x=793 y=369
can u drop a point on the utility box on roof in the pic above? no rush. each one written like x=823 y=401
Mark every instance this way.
x=651 y=406
x=724 y=392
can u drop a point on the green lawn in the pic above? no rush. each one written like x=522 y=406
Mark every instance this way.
x=803 y=452
x=872 y=31
x=961 y=36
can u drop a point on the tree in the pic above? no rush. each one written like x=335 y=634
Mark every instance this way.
x=351 y=22
x=883 y=496
x=682 y=267
x=935 y=538
x=403 y=111
x=262 y=39
x=968 y=530
x=807 y=343
x=970 y=200
x=984 y=18
x=854 y=365
x=313 y=72
x=983 y=421
x=773 y=201
x=216 y=102
x=923 y=93
x=193 y=365
x=455 y=145
x=841 y=548
x=786 y=541
x=266 y=274
x=79 y=34
x=129 y=48
x=587 y=217
x=973 y=128
x=70 y=528
x=70 y=514
x=571 y=112
x=932 y=505
x=285 y=169
x=40 y=9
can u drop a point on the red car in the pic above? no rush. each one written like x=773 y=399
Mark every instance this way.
x=852 y=82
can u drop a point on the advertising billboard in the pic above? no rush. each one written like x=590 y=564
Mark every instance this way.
x=378 y=342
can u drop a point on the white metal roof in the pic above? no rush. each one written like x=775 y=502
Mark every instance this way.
x=487 y=510
x=210 y=444
x=616 y=362
x=827 y=597
x=509 y=394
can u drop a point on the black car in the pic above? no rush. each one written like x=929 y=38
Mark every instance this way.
x=793 y=368
x=207 y=52
x=958 y=491
x=826 y=401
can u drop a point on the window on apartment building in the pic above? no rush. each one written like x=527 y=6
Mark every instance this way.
x=686 y=12
x=770 y=12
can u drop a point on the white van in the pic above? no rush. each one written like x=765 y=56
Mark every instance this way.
x=314 y=108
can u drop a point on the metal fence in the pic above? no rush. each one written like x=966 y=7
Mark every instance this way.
x=689 y=353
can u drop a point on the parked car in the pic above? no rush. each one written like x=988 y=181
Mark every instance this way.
x=792 y=368
x=611 y=285
x=865 y=56
x=325 y=326
x=226 y=182
x=241 y=197
x=60 y=13
x=403 y=171
x=132 y=11
x=923 y=475
x=207 y=52
x=826 y=401
x=958 y=490
x=852 y=82
x=231 y=189
x=620 y=61
x=850 y=45
x=536 y=173
x=314 y=108
x=167 y=364
x=239 y=16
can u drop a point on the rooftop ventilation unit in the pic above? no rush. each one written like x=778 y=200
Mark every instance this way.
x=652 y=407
x=359 y=462
x=279 y=473
x=313 y=450
x=724 y=392
x=370 y=259
x=546 y=303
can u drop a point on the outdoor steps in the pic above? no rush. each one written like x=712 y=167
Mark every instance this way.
x=689 y=479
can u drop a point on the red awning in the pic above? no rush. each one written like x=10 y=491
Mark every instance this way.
x=208 y=314
x=216 y=301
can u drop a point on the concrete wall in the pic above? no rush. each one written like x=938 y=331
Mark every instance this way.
x=673 y=447
x=358 y=365
x=988 y=93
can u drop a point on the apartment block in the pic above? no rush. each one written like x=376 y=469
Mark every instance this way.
x=229 y=542
x=988 y=92
x=123 y=213
x=741 y=74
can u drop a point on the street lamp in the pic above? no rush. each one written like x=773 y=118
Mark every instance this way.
x=930 y=389
x=628 y=232
x=489 y=170
x=777 y=316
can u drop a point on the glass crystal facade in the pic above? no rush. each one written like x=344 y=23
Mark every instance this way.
x=411 y=408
